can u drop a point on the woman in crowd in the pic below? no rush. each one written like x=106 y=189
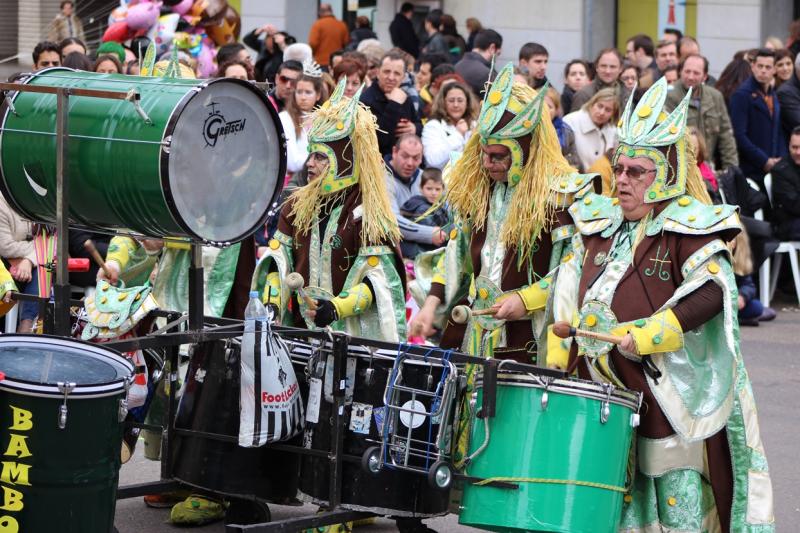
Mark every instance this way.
x=629 y=76
x=577 y=75
x=566 y=137
x=594 y=126
x=784 y=66
x=107 y=64
x=450 y=124
x=355 y=73
x=734 y=74
x=235 y=68
x=309 y=93
x=363 y=31
x=454 y=40
x=473 y=27
x=18 y=251
x=77 y=60
x=69 y=45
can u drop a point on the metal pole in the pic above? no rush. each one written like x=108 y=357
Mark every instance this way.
x=61 y=290
x=196 y=297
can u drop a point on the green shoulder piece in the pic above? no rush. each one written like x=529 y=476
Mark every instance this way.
x=689 y=216
x=565 y=189
x=594 y=213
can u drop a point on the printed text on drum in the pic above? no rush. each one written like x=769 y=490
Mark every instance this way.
x=15 y=473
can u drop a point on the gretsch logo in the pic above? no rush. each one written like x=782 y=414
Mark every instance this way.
x=216 y=127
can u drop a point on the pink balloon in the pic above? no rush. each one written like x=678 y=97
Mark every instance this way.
x=205 y=60
x=182 y=7
x=143 y=15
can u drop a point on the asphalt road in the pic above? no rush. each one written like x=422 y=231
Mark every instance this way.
x=771 y=356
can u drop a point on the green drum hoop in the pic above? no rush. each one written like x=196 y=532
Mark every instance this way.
x=563 y=443
x=62 y=403
x=196 y=159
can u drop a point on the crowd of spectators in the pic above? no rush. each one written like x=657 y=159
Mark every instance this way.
x=425 y=93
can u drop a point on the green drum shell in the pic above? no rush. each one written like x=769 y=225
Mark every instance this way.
x=564 y=441
x=74 y=471
x=118 y=164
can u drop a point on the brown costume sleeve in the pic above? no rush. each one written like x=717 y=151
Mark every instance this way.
x=437 y=289
x=699 y=306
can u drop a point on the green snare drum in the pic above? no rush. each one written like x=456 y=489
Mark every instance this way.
x=204 y=159
x=565 y=443
x=62 y=403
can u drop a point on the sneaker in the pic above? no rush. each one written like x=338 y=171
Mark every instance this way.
x=166 y=499
x=748 y=322
x=197 y=511
x=768 y=314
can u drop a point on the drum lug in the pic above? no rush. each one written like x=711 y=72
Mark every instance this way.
x=65 y=388
x=545 y=395
x=122 y=410
x=134 y=97
x=605 y=409
x=166 y=143
x=635 y=419
x=10 y=104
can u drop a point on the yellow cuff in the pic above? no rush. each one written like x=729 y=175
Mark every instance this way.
x=119 y=250
x=272 y=290
x=660 y=333
x=353 y=302
x=557 y=350
x=438 y=278
x=535 y=296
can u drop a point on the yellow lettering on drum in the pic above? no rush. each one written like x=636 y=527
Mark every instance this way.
x=17 y=446
x=9 y=524
x=15 y=473
x=12 y=500
x=23 y=420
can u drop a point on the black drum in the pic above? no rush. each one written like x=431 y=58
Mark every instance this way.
x=389 y=492
x=210 y=403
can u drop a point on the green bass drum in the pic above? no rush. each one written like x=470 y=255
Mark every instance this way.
x=564 y=443
x=62 y=403
x=200 y=159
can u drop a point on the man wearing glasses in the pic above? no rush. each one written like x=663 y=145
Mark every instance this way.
x=285 y=81
x=652 y=267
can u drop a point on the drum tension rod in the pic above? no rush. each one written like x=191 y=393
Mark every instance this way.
x=10 y=104
x=66 y=388
x=134 y=97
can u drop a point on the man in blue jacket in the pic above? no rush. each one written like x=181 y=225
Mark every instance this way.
x=756 y=119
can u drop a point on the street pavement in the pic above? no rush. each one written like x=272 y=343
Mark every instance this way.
x=771 y=356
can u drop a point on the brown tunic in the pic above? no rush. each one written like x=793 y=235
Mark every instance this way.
x=345 y=245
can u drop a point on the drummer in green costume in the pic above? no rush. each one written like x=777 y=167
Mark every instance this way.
x=652 y=267
x=339 y=233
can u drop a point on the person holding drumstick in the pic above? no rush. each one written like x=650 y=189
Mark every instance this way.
x=337 y=235
x=651 y=268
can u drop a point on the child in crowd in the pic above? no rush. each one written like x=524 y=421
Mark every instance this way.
x=432 y=187
x=751 y=310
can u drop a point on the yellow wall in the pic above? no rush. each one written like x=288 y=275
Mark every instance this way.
x=641 y=16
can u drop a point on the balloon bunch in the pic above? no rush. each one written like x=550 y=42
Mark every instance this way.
x=196 y=27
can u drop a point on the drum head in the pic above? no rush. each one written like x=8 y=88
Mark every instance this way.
x=35 y=364
x=226 y=161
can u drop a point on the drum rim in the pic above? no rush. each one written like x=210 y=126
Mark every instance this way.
x=47 y=390
x=625 y=397
x=169 y=129
x=4 y=112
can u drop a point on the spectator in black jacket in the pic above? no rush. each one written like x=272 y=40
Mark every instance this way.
x=789 y=98
x=786 y=191
x=475 y=66
x=402 y=30
x=390 y=104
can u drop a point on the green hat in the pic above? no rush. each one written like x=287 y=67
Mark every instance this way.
x=112 y=47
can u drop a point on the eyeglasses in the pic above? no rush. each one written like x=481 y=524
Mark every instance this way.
x=497 y=159
x=633 y=173
x=286 y=79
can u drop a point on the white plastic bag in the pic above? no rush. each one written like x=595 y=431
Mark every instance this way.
x=270 y=406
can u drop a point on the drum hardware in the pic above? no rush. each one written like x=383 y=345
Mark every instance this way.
x=122 y=412
x=368 y=373
x=605 y=409
x=166 y=144
x=545 y=395
x=64 y=388
x=10 y=104
x=134 y=97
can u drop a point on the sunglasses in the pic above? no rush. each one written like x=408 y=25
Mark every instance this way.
x=633 y=173
x=286 y=79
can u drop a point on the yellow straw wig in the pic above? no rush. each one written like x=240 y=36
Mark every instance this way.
x=532 y=207
x=378 y=221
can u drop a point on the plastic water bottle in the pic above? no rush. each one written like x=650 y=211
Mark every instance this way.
x=254 y=311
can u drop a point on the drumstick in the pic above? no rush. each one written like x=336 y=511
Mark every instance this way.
x=462 y=313
x=296 y=282
x=90 y=247
x=564 y=330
